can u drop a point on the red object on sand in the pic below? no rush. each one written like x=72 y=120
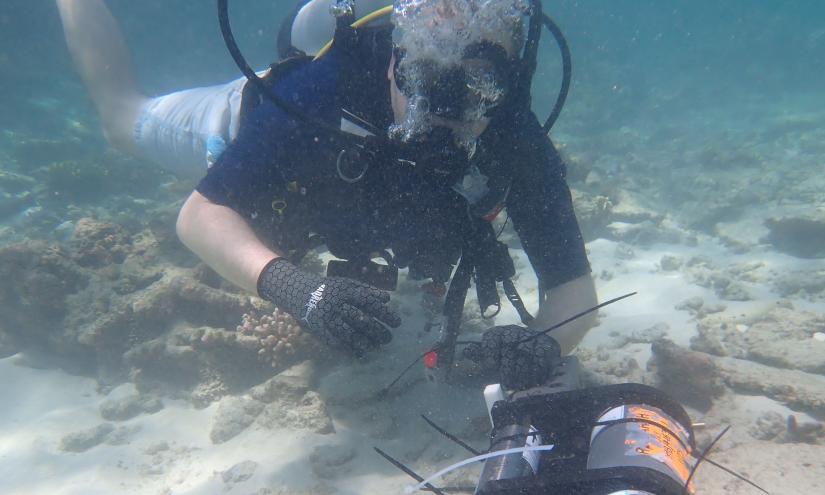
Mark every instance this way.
x=431 y=360
x=435 y=289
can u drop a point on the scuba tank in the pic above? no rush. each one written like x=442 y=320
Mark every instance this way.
x=312 y=24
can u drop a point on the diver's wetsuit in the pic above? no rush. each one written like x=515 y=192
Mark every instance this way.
x=281 y=176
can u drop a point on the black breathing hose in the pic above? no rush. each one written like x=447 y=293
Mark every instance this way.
x=567 y=71
x=260 y=85
x=531 y=53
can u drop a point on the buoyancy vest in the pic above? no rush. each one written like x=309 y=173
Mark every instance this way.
x=423 y=220
x=387 y=198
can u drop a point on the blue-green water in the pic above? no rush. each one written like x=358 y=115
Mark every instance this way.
x=745 y=49
x=695 y=137
x=715 y=55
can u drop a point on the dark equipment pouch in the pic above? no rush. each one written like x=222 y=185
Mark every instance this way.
x=380 y=276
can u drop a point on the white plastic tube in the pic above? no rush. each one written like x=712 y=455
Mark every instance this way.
x=482 y=457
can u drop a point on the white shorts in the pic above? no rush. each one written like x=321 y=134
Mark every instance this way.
x=186 y=131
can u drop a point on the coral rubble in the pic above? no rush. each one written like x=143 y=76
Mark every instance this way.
x=799 y=236
x=781 y=336
x=111 y=304
x=689 y=376
x=96 y=243
x=284 y=401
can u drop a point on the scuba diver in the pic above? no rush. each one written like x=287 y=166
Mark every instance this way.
x=405 y=136
x=402 y=139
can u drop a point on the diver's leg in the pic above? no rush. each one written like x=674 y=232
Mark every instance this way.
x=102 y=58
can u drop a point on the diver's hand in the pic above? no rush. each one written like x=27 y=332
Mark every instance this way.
x=521 y=366
x=340 y=311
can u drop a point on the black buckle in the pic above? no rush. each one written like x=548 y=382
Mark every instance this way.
x=380 y=276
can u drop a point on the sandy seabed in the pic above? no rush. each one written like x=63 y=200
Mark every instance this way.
x=173 y=450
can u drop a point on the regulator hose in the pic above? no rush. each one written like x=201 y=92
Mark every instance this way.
x=567 y=71
x=531 y=52
x=260 y=85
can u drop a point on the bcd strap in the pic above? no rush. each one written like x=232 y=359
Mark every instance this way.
x=515 y=299
x=453 y=310
x=345 y=35
x=253 y=96
x=488 y=261
x=493 y=264
x=486 y=278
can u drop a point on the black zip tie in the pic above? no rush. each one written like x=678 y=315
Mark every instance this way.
x=686 y=488
x=574 y=317
x=735 y=474
x=647 y=421
x=451 y=436
x=412 y=474
x=384 y=391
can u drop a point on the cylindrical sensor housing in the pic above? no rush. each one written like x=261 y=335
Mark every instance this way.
x=642 y=436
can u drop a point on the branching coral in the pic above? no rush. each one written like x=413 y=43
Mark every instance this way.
x=276 y=338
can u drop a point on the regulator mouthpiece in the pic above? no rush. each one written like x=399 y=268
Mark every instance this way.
x=462 y=91
x=455 y=60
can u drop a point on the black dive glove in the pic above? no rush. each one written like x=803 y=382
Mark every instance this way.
x=522 y=366
x=342 y=312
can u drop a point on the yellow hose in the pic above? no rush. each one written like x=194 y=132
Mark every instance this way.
x=384 y=11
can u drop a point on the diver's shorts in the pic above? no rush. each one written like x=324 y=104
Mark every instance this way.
x=186 y=131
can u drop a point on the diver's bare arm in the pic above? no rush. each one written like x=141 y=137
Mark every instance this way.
x=223 y=240
x=564 y=301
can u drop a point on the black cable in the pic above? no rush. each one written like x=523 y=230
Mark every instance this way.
x=517 y=436
x=735 y=474
x=647 y=421
x=384 y=391
x=538 y=19
x=412 y=474
x=260 y=85
x=453 y=310
x=452 y=437
x=530 y=54
x=503 y=226
x=701 y=458
x=574 y=317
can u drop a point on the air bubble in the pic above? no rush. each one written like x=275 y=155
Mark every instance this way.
x=439 y=32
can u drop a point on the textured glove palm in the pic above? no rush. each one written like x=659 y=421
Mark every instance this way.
x=340 y=311
x=521 y=365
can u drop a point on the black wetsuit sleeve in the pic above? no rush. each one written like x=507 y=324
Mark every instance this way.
x=541 y=207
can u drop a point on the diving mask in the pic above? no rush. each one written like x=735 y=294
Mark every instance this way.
x=466 y=91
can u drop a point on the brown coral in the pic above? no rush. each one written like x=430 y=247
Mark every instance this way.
x=36 y=280
x=96 y=243
x=691 y=377
x=276 y=338
x=780 y=336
